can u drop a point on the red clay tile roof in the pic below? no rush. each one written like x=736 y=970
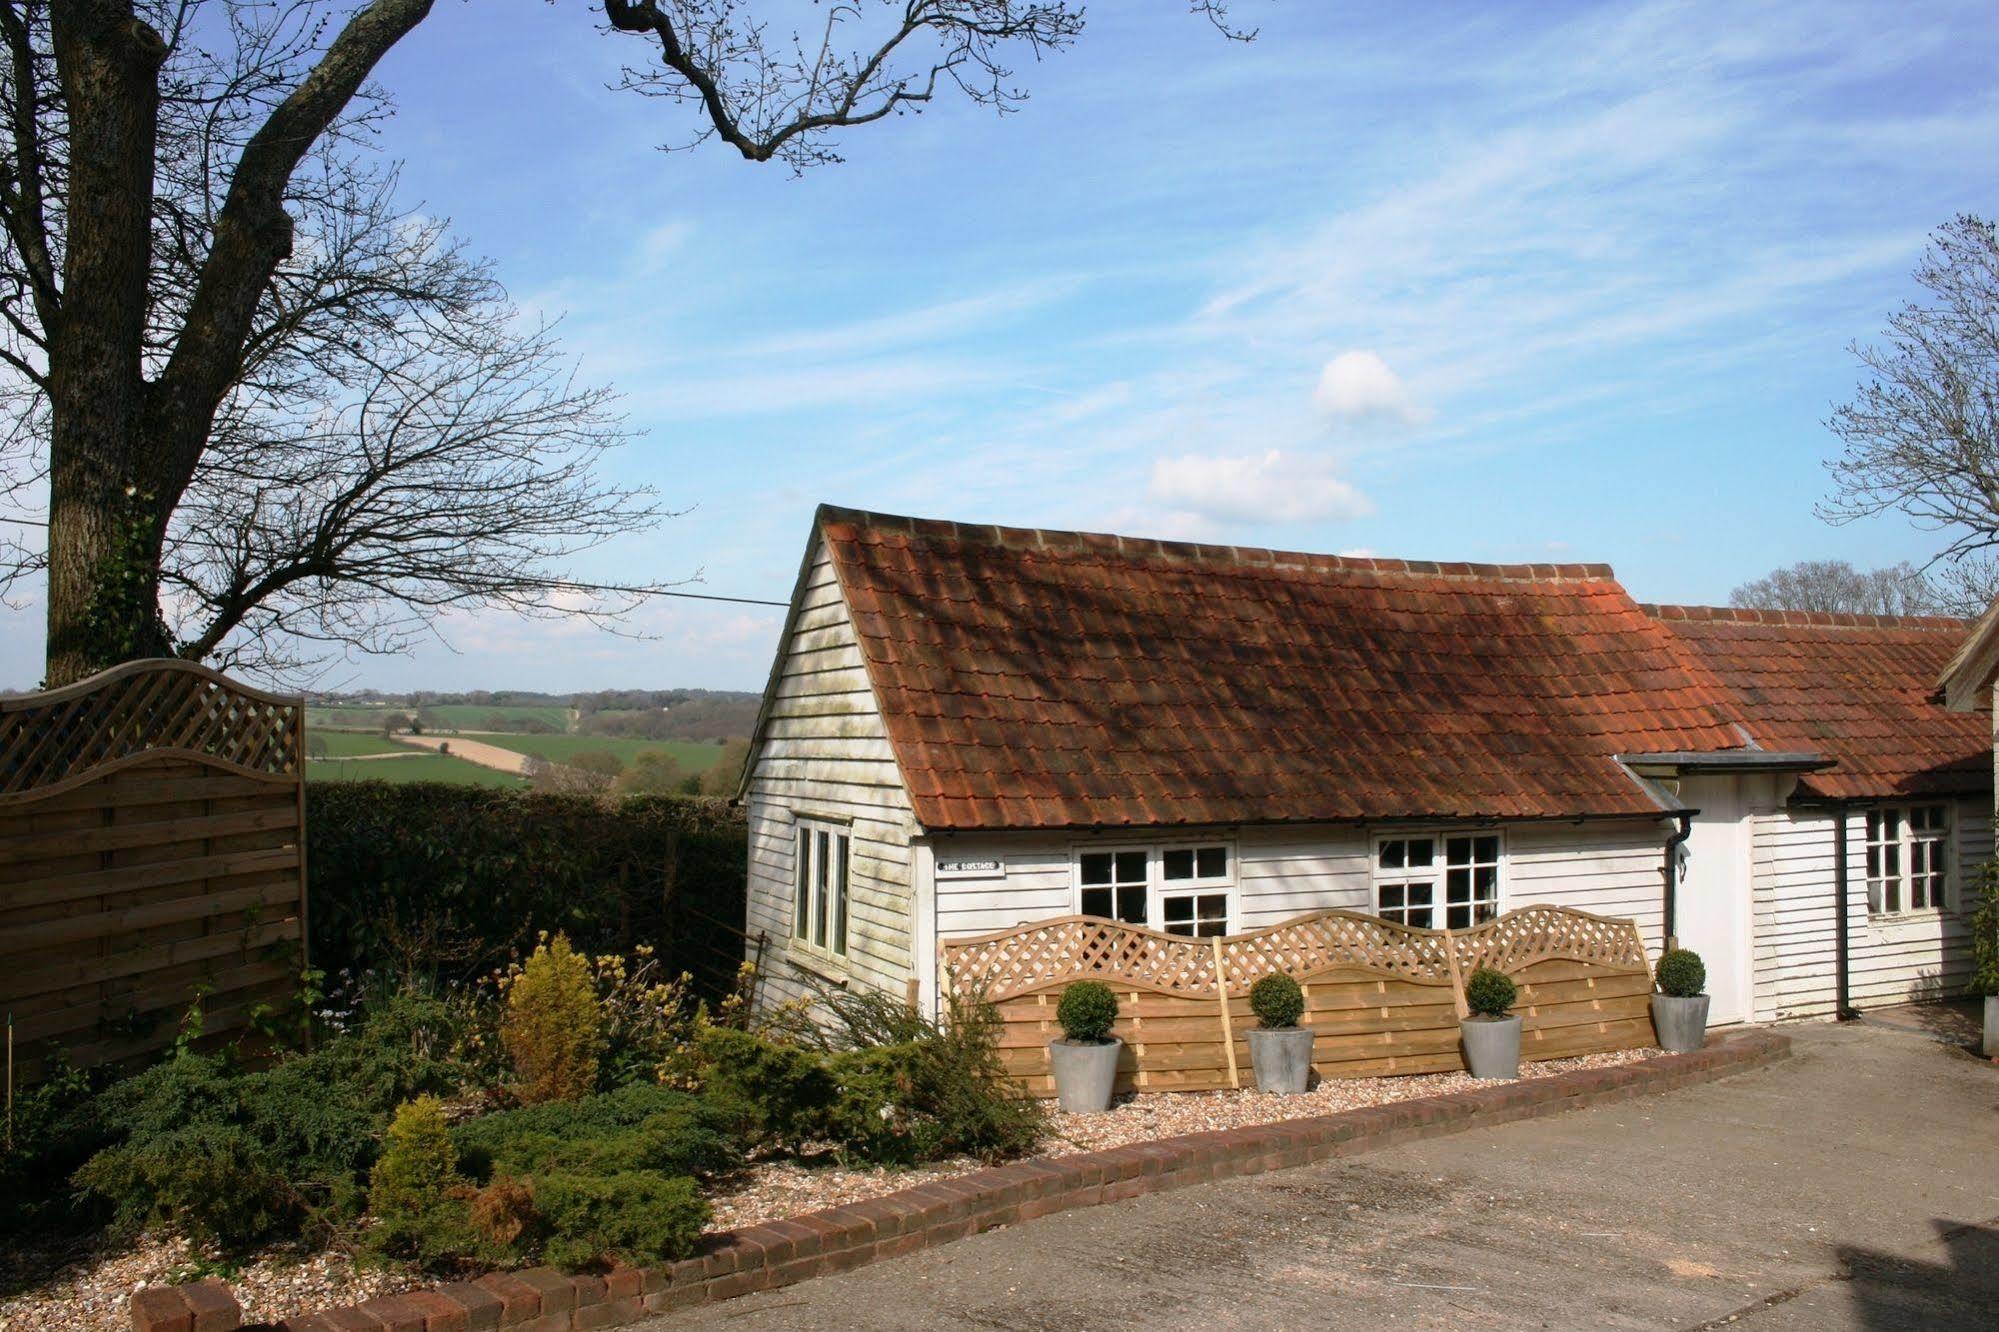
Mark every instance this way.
x=1037 y=679
x=1857 y=688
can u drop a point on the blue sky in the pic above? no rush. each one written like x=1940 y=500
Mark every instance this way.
x=1481 y=281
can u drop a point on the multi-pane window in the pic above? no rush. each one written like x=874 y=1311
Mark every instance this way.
x=1194 y=890
x=1908 y=858
x=1435 y=882
x=1178 y=889
x=819 y=904
x=1114 y=884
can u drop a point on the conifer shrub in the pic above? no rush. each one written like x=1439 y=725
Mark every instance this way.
x=419 y=1202
x=553 y=1029
x=1277 y=1001
x=633 y=1128
x=774 y=1093
x=235 y=1157
x=1490 y=993
x=1087 y=1012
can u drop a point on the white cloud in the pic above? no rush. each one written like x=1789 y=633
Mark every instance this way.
x=1273 y=487
x=1359 y=386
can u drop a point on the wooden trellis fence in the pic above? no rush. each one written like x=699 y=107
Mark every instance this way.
x=1380 y=997
x=151 y=849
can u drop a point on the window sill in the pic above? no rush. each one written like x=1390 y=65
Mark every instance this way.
x=1926 y=916
x=814 y=964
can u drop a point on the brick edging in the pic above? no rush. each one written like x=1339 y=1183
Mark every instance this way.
x=778 y=1253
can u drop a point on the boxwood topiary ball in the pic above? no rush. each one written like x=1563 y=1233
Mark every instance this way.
x=1277 y=1001
x=1681 y=973
x=1490 y=993
x=1087 y=1012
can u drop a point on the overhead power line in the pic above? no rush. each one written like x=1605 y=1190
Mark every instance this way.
x=578 y=587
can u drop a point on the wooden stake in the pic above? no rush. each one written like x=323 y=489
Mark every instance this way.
x=1457 y=980
x=1228 y=1029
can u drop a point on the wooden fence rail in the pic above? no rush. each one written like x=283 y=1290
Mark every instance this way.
x=1380 y=997
x=151 y=849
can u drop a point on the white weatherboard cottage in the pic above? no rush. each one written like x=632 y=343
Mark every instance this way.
x=968 y=728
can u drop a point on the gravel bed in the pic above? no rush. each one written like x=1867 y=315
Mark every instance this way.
x=89 y=1292
x=781 y=1189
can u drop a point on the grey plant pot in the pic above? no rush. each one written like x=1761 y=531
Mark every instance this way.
x=1990 y=1047
x=1084 y=1074
x=1492 y=1046
x=1680 y=1021
x=1282 y=1058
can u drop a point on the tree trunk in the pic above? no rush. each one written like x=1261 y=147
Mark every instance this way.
x=106 y=507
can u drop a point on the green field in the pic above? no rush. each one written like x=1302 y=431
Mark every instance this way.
x=350 y=744
x=418 y=768
x=692 y=756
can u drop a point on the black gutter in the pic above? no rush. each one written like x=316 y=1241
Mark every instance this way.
x=1671 y=870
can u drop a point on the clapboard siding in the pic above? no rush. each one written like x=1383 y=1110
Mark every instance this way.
x=823 y=751
x=1891 y=960
x=1610 y=869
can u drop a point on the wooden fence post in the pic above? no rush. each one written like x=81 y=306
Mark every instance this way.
x=1222 y=996
x=1457 y=976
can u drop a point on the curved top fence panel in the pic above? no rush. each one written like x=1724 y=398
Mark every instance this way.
x=1045 y=953
x=62 y=737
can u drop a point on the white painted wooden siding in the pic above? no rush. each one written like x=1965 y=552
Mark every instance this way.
x=1609 y=868
x=825 y=752
x=1923 y=956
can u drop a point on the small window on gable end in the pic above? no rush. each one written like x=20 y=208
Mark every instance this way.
x=819 y=907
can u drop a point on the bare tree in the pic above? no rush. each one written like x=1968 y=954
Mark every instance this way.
x=193 y=259
x=1835 y=585
x=1921 y=434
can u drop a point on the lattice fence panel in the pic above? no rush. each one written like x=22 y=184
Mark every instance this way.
x=151 y=848
x=1381 y=998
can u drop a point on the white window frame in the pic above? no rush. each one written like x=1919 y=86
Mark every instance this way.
x=1903 y=850
x=1438 y=874
x=1158 y=888
x=811 y=930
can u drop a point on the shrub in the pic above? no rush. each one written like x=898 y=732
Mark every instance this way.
x=210 y=1181
x=1985 y=934
x=1490 y=993
x=1681 y=973
x=1087 y=1012
x=775 y=1094
x=416 y=1196
x=1277 y=1001
x=240 y=1157
x=51 y=1136
x=553 y=1030
x=633 y=1218
x=633 y=1128
x=419 y=1164
x=943 y=1093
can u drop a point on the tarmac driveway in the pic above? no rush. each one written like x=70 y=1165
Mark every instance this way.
x=1856 y=1185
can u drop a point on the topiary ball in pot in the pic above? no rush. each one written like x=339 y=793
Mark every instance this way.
x=1085 y=1061
x=1490 y=993
x=1491 y=1037
x=1681 y=973
x=1280 y=1051
x=1087 y=1012
x=1277 y=1001
x=1679 y=1010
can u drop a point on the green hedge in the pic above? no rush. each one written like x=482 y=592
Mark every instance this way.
x=445 y=880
